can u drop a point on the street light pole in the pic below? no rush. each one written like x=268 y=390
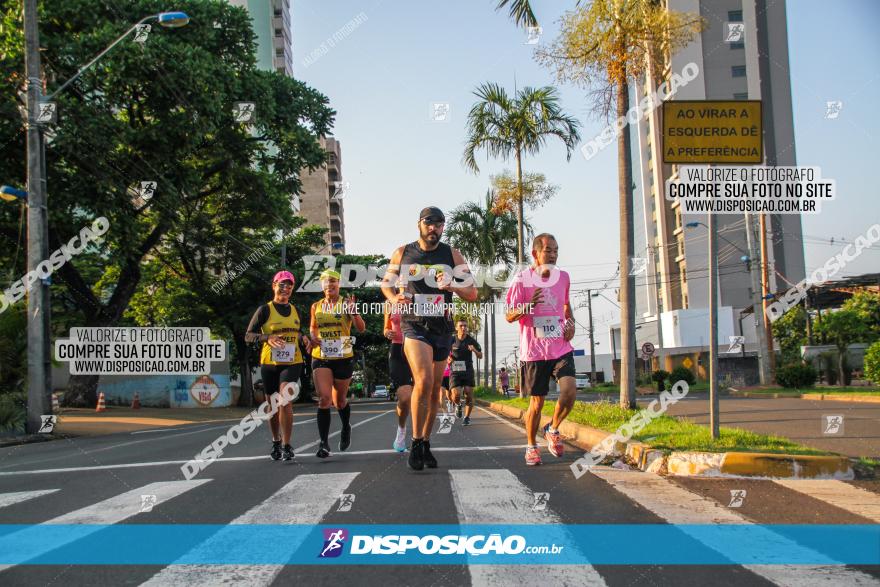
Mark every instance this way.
x=713 y=327
x=757 y=302
x=592 y=340
x=39 y=366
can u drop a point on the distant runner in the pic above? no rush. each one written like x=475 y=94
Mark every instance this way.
x=332 y=355
x=401 y=374
x=463 y=345
x=504 y=381
x=276 y=325
x=545 y=331
x=427 y=268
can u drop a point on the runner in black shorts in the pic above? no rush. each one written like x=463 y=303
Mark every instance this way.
x=332 y=354
x=463 y=345
x=426 y=266
x=401 y=374
x=277 y=326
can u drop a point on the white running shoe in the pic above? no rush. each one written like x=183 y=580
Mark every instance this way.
x=400 y=441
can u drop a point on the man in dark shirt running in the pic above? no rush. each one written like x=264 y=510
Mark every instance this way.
x=462 y=380
x=431 y=272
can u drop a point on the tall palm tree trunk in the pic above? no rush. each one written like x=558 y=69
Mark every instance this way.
x=627 y=246
x=519 y=210
x=485 y=353
x=493 y=347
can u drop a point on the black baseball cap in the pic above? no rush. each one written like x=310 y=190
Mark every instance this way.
x=432 y=213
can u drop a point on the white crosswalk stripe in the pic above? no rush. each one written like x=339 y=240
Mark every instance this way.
x=7 y=499
x=109 y=511
x=679 y=506
x=839 y=494
x=305 y=500
x=495 y=496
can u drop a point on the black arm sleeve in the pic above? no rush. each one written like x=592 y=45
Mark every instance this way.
x=254 y=333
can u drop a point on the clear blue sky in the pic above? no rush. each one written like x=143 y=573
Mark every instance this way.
x=384 y=76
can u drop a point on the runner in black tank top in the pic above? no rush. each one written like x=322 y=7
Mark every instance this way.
x=422 y=276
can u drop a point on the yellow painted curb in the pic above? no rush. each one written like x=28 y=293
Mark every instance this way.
x=786 y=466
x=122 y=420
x=839 y=397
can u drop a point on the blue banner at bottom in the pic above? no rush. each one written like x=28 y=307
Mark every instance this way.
x=608 y=544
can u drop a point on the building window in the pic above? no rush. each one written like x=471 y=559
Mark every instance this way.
x=277 y=32
x=735 y=15
x=738 y=71
x=739 y=45
x=740 y=95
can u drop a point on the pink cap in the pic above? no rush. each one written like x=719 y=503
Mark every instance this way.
x=284 y=276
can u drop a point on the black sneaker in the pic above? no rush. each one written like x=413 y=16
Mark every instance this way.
x=287 y=452
x=323 y=450
x=467 y=421
x=429 y=459
x=345 y=438
x=276 y=450
x=458 y=411
x=416 y=459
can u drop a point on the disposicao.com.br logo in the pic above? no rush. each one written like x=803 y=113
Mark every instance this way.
x=429 y=544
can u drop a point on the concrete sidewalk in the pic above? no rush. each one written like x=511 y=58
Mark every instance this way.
x=800 y=420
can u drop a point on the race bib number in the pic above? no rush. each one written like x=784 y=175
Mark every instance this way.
x=458 y=366
x=331 y=348
x=286 y=354
x=336 y=348
x=547 y=326
x=428 y=305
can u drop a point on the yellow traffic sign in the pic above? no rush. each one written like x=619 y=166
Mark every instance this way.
x=687 y=363
x=712 y=131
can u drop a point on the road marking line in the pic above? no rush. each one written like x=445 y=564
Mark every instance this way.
x=381 y=451
x=679 y=506
x=93 y=517
x=496 y=496
x=519 y=429
x=317 y=442
x=305 y=500
x=855 y=500
x=7 y=499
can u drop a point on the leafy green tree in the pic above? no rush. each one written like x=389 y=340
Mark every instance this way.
x=872 y=363
x=842 y=328
x=514 y=127
x=161 y=111
x=487 y=240
x=867 y=305
x=791 y=332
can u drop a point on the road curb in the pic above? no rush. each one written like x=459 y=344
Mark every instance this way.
x=698 y=464
x=839 y=397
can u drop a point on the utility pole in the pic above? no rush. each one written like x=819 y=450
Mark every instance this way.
x=765 y=292
x=592 y=341
x=39 y=365
x=760 y=326
x=713 y=326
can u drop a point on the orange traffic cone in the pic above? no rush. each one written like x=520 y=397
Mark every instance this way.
x=136 y=402
x=101 y=406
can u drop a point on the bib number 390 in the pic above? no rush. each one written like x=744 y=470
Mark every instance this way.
x=331 y=348
x=547 y=326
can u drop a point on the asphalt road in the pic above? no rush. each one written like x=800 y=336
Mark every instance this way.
x=482 y=479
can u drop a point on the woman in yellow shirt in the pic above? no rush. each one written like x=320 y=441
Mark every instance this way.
x=333 y=357
x=276 y=325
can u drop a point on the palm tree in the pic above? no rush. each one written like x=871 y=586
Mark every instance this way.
x=507 y=127
x=603 y=45
x=487 y=240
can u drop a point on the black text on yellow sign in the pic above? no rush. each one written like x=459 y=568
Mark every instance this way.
x=712 y=131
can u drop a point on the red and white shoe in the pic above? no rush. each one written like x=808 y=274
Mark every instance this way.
x=554 y=442
x=533 y=457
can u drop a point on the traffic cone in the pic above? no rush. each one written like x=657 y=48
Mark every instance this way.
x=101 y=406
x=56 y=406
x=136 y=402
